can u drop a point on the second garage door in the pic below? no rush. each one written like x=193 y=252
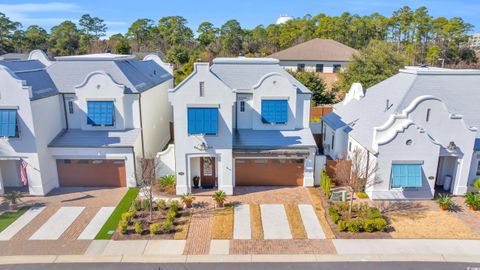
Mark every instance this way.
x=268 y=172
x=91 y=173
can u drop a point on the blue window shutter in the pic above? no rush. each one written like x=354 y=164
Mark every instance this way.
x=8 y=123
x=100 y=113
x=202 y=121
x=406 y=175
x=274 y=111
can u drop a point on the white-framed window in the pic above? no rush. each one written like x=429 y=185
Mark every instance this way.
x=70 y=106
x=333 y=141
x=202 y=88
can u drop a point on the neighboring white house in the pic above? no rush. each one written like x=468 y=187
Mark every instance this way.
x=317 y=55
x=81 y=120
x=242 y=121
x=420 y=127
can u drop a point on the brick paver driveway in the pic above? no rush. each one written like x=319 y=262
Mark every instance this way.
x=64 y=215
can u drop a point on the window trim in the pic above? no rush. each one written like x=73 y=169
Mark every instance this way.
x=242 y=105
x=300 y=66
x=204 y=134
x=317 y=68
x=70 y=107
x=337 y=68
x=405 y=163
x=17 y=129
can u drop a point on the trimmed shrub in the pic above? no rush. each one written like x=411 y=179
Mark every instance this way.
x=369 y=225
x=138 y=227
x=342 y=225
x=373 y=212
x=334 y=216
x=354 y=225
x=362 y=195
x=325 y=183
x=122 y=227
x=154 y=228
x=167 y=226
x=162 y=204
x=127 y=216
x=174 y=206
x=380 y=224
x=171 y=215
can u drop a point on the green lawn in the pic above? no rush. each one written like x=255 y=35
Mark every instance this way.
x=8 y=218
x=113 y=220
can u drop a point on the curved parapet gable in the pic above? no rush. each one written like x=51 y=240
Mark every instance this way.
x=101 y=79
x=40 y=56
x=266 y=76
x=398 y=122
x=6 y=73
x=167 y=66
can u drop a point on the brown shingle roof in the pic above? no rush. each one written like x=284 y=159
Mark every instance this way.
x=317 y=50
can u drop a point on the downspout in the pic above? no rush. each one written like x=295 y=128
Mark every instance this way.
x=65 y=111
x=141 y=123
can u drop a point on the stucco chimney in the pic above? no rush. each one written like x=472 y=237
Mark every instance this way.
x=355 y=92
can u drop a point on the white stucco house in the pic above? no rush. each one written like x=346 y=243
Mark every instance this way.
x=421 y=128
x=81 y=120
x=242 y=121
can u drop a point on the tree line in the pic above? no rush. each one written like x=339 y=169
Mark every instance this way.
x=415 y=35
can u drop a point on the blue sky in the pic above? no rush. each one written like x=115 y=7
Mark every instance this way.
x=120 y=14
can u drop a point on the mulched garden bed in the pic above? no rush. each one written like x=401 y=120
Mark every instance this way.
x=181 y=222
x=350 y=235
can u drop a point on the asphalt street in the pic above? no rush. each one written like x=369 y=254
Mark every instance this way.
x=242 y=266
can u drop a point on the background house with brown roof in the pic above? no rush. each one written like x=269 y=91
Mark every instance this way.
x=319 y=55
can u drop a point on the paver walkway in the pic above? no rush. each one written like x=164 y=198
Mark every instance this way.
x=20 y=223
x=275 y=222
x=198 y=239
x=96 y=223
x=310 y=222
x=241 y=222
x=57 y=224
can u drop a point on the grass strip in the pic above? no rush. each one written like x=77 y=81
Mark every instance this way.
x=112 y=221
x=295 y=221
x=222 y=227
x=256 y=222
x=9 y=217
x=321 y=213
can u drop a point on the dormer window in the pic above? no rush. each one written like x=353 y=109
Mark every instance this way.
x=8 y=123
x=274 y=111
x=100 y=113
x=202 y=88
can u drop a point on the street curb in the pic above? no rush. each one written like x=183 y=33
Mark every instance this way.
x=8 y=260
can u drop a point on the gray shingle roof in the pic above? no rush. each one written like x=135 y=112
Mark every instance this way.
x=33 y=73
x=244 y=73
x=317 y=50
x=273 y=139
x=454 y=88
x=137 y=76
x=95 y=139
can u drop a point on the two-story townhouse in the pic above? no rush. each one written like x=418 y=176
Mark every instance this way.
x=242 y=121
x=420 y=128
x=81 y=120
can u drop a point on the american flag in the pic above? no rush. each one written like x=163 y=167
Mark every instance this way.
x=23 y=172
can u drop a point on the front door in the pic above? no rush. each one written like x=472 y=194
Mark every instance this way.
x=207 y=172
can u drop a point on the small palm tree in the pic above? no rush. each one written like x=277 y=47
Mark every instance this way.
x=444 y=201
x=220 y=197
x=13 y=197
x=187 y=199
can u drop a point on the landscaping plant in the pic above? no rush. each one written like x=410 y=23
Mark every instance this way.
x=167 y=226
x=445 y=201
x=167 y=184
x=476 y=185
x=472 y=200
x=187 y=199
x=138 y=227
x=154 y=228
x=220 y=197
x=137 y=205
x=325 y=183
x=162 y=204
x=363 y=219
x=13 y=198
x=174 y=206
x=122 y=226
x=362 y=195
